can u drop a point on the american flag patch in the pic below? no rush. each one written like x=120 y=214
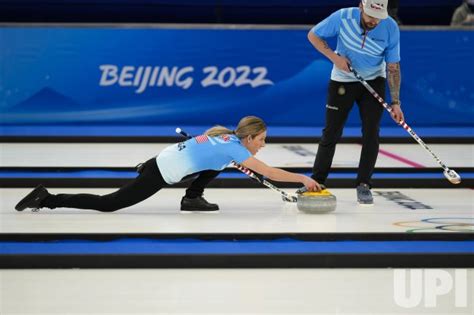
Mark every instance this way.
x=201 y=139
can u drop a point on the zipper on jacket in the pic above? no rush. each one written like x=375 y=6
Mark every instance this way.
x=363 y=40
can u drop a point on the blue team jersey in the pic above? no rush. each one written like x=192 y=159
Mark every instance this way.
x=198 y=154
x=369 y=56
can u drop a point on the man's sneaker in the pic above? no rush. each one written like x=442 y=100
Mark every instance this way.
x=364 y=196
x=33 y=199
x=197 y=204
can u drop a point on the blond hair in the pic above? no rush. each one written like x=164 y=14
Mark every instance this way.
x=248 y=126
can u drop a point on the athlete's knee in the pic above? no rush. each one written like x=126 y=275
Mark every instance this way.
x=371 y=132
x=330 y=138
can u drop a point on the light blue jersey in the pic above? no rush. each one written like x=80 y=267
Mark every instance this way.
x=369 y=52
x=198 y=154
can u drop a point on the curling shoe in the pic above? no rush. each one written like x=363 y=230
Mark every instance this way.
x=364 y=195
x=198 y=204
x=33 y=199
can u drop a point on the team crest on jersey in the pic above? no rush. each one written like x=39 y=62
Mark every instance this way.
x=341 y=90
x=226 y=138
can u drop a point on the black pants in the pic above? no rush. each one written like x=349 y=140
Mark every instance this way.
x=147 y=183
x=341 y=98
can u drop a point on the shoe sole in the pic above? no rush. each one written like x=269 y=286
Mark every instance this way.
x=365 y=204
x=199 y=211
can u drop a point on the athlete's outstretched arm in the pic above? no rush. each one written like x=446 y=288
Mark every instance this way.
x=280 y=175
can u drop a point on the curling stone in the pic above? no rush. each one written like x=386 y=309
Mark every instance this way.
x=316 y=202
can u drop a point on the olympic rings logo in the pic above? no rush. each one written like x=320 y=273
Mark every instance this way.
x=465 y=225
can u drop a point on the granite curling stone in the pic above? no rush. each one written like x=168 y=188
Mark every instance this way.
x=316 y=202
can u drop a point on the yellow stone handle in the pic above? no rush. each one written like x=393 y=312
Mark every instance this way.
x=323 y=192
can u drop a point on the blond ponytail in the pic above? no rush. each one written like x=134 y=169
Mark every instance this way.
x=248 y=126
x=217 y=131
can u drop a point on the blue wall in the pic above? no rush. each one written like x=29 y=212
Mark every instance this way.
x=95 y=76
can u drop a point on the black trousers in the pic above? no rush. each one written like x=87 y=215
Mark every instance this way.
x=341 y=98
x=147 y=183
